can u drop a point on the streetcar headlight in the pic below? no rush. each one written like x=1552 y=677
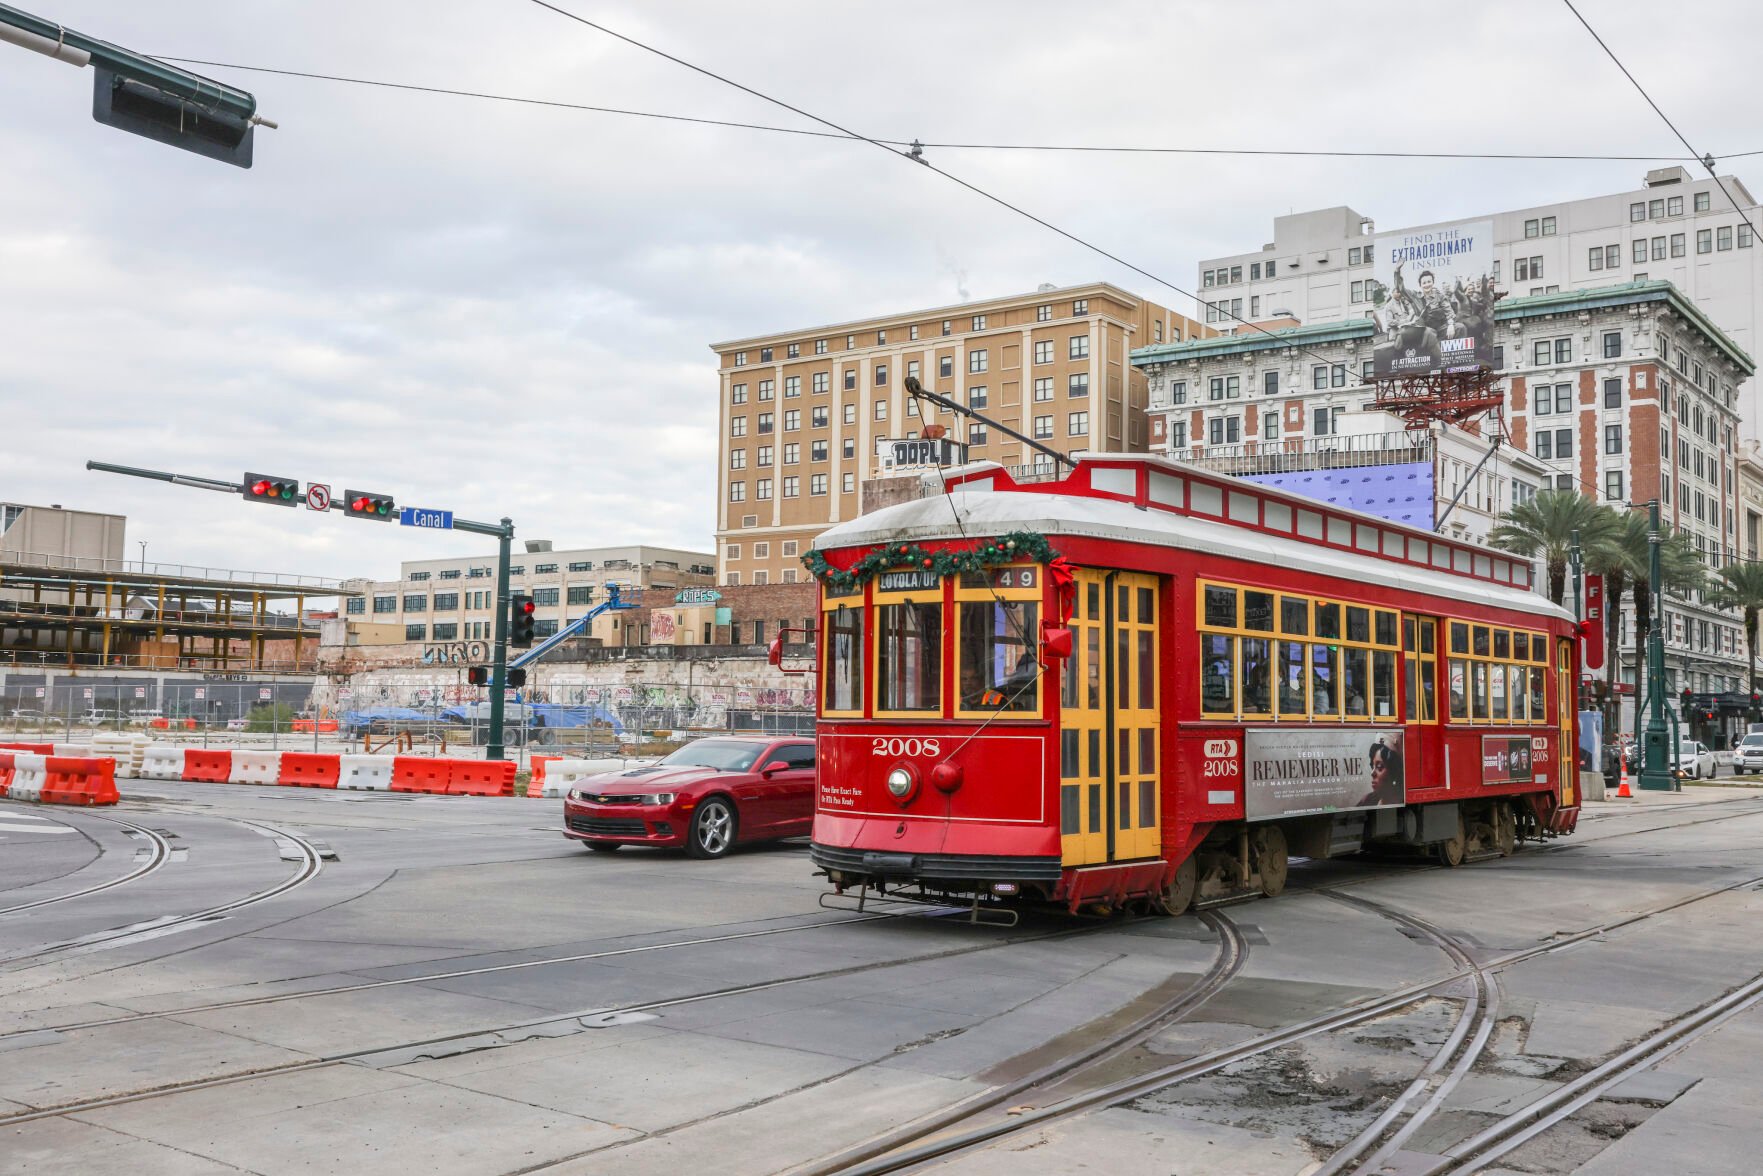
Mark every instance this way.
x=901 y=783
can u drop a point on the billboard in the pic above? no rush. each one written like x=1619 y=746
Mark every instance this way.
x=1293 y=772
x=1432 y=297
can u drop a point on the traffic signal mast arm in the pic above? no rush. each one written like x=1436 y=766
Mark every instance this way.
x=614 y=601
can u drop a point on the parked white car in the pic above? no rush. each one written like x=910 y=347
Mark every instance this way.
x=1748 y=755
x=1695 y=759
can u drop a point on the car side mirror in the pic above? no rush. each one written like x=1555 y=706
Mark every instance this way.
x=773 y=768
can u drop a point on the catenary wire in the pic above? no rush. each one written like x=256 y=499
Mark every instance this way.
x=1707 y=161
x=1094 y=148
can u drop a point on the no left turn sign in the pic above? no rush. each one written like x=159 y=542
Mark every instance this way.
x=318 y=497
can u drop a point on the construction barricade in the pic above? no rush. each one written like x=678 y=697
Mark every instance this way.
x=162 y=763
x=535 y=784
x=79 y=780
x=205 y=766
x=32 y=748
x=564 y=774
x=479 y=777
x=306 y=769
x=5 y=772
x=255 y=767
x=364 y=773
x=128 y=749
x=28 y=774
x=415 y=773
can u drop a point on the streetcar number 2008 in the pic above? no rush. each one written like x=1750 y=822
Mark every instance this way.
x=1221 y=767
x=906 y=747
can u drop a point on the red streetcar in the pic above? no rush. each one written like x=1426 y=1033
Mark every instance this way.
x=1147 y=683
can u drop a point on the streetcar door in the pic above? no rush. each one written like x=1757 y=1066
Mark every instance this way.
x=1420 y=700
x=1108 y=795
x=1567 y=754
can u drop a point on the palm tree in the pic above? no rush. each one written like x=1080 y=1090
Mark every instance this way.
x=1740 y=586
x=1545 y=525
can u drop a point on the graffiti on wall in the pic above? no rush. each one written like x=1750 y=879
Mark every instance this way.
x=447 y=653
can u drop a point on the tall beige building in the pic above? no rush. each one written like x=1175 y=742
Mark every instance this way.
x=806 y=416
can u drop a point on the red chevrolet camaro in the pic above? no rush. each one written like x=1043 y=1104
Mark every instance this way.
x=706 y=797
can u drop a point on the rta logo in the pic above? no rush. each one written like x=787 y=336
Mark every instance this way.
x=1217 y=748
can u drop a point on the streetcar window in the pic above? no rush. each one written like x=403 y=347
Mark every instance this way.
x=1325 y=695
x=1358 y=624
x=999 y=669
x=1291 y=679
x=1521 y=646
x=1502 y=644
x=1539 y=648
x=1093 y=669
x=1478 y=695
x=1517 y=676
x=1147 y=787
x=1429 y=708
x=1459 y=637
x=1070 y=749
x=1426 y=631
x=1328 y=621
x=1257 y=676
x=1221 y=607
x=1294 y=615
x=1093 y=595
x=844 y=659
x=1147 y=605
x=1497 y=699
x=1217 y=674
x=909 y=657
x=1481 y=641
x=1147 y=672
x=1536 y=694
x=1258 y=611
x=1411 y=695
x=1386 y=628
x=1383 y=683
x=1357 y=663
x=1459 y=688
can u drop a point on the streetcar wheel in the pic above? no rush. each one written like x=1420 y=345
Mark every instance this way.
x=1505 y=830
x=1270 y=859
x=1450 y=853
x=713 y=829
x=602 y=846
x=1179 y=894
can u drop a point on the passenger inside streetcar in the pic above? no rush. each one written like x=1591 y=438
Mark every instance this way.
x=999 y=669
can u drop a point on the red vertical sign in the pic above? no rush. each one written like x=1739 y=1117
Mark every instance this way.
x=1593 y=629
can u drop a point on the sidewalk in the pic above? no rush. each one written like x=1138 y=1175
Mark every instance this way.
x=1693 y=793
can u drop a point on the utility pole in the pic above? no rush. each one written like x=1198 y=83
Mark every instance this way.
x=1655 y=762
x=499 y=666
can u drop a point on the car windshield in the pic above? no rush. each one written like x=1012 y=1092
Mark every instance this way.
x=1753 y=741
x=1686 y=749
x=723 y=754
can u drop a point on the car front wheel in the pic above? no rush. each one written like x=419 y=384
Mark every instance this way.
x=712 y=833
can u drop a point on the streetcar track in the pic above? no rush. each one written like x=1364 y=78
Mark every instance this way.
x=161 y=853
x=1139 y=1086
x=310 y=865
x=365 y=1055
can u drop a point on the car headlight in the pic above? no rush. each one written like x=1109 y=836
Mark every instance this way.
x=901 y=783
x=656 y=798
x=575 y=794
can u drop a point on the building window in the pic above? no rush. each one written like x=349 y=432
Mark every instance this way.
x=1078 y=384
x=1656 y=209
x=1612 y=344
x=1658 y=248
x=816 y=484
x=1613 y=393
x=762 y=490
x=737 y=427
x=734 y=580
x=1545 y=444
x=1637 y=211
x=1595 y=258
x=1081 y=306
x=848 y=483
x=1043 y=427
x=1255 y=306
x=765 y=355
x=792 y=453
x=544 y=596
x=737 y=491
x=1677 y=245
x=1079 y=347
x=881 y=375
x=385 y=604
x=1702 y=201
x=450 y=630
x=1319 y=376
x=976 y=433
x=1612 y=257
x=818 y=417
x=817 y=451
x=1548 y=226
x=849 y=449
x=1269 y=383
x=1674 y=206
x=1043 y=351
x=446 y=601
x=1270 y=426
x=1255 y=266
x=976 y=397
x=792 y=351
x=1044 y=314
x=763 y=457
x=1178 y=434
x=1533 y=228
x=977 y=360
x=1339 y=375
x=1612 y=438
x=1704 y=240
x=1563 y=351
x=1745 y=235
x=1044 y=389
x=766 y=423
x=792 y=387
x=820 y=347
x=1077 y=424
x=1723 y=238
x=946 y=366
x=979 y=322
x=584 y=593
x=881 y=410
x=789 y=547
x=1640 y=251
x=792 y=420
x=912 y=368
x=355 y=604
x=1225 y=430
x=850 y=414
x=1178 y=392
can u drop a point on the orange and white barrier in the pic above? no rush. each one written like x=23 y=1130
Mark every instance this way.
x=162 y=763
x=56 y=779
x=255 y=767
x=364 y=773
x=29 y=771
x=305 y=769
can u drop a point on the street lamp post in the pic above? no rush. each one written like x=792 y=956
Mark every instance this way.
x=143 y=544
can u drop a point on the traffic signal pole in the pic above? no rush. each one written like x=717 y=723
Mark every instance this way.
x=1655 y=761
x=502 y=531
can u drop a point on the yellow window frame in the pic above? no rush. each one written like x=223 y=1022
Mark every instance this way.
x=987 y=593
x=877 y=601
x=831 y=602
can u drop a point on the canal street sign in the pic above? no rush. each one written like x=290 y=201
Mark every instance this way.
x=417 y=516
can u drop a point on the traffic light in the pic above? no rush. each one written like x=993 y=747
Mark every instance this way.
x=478 y=675
x=271 y=489
x=517 y=676
x=520 y=620
x=365 y=504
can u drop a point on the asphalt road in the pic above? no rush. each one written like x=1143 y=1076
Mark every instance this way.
x=212 y=978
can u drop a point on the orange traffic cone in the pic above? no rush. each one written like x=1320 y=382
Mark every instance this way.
x=1623 y=793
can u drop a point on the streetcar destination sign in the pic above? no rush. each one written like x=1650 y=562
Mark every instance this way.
x=417 y=516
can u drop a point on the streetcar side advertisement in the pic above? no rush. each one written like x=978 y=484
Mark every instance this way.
x=1290 y=773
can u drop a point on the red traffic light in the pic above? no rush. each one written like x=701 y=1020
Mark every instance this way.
x=478 y=675
x=270 y=489
x=527 y=607
x=521 y=622
x=369 y=504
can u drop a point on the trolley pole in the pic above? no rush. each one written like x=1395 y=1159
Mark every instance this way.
x=1655 y=764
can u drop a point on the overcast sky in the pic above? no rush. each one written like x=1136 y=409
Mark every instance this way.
x=402 y=279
